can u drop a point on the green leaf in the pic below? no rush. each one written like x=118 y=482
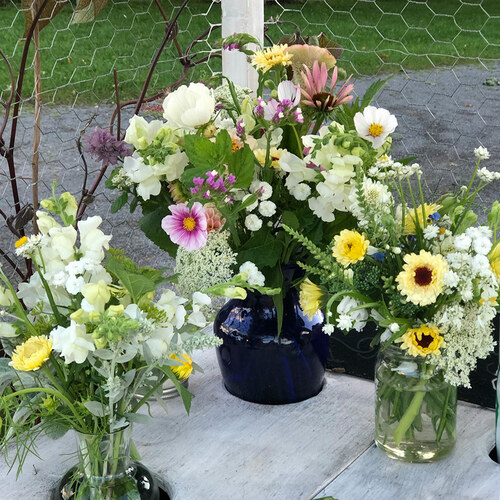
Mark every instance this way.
x=262 y=249
x=372 y=91
x=241 y=165
x=119 y=202
x=87 y=10
x=290 y=219
x=150 y=224
x=137 y=284
x=184 y=393
x=190 y=173
x=205 y=154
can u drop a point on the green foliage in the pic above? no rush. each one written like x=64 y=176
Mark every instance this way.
x=138 y=281
x=150 y=224
x=241 y=165
x=367 y=277
x=403 y=308
x=263 y=249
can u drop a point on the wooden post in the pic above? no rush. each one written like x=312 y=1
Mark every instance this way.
x=241 y=16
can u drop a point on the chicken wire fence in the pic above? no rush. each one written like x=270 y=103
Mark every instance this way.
x=443 y=55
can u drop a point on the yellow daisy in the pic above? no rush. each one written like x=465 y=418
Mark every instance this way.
x=350 y=247
x=495 y=261
x=183 y=371
x=422 y=341
x=310 y=298
x=266 y=59
x=417 y=214
x=274 y=156
x=421 y=280
x=32 y=354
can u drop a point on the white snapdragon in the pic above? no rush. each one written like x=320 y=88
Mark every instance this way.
x=253 y=223
x=199 y=301
x=254 y=276
x=93 y=241
x=141 y=133
x=173 y=306
x=73 y=342
x=267 y=208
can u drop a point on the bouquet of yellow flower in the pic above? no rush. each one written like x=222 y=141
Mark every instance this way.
x=429 y=278
x=89 y=345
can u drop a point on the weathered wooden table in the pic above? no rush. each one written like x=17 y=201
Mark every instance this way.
x=231 y=449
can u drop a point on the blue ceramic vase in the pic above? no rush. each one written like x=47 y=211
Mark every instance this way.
x=259 y=366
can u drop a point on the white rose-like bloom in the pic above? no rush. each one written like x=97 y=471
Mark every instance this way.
x=462 y=242
x=253 y=223
x=73 y=342
x=254 y=276
x=92 y=240
x=481 y=153
x=189 y=107
x=141 y=133
x=301 y=191
x=267 y=208
x=375 y=124
x=262 y=189
x=482 y=245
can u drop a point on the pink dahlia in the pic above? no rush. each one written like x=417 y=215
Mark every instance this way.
x=215 y=221
x=187 y=228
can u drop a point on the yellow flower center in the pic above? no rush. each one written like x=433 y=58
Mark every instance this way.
x=189 y=223
x=350 y=247
x=375 y=129
x=20 y=242
x=236 y=145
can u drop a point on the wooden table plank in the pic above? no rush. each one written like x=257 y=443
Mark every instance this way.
x=467 y=473
x=228 y=448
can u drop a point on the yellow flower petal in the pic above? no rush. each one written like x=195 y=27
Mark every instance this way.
x=31 y=355
x=183 y=371
x=422 y=341
x=310 y=298
x=350 y=247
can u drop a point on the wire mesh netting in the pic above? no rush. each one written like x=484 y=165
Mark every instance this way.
x=443 y=55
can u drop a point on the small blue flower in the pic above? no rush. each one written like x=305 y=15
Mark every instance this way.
x=380 y=256
x=435 y=216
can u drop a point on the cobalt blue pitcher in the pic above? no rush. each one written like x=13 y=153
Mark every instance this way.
x=258 y=365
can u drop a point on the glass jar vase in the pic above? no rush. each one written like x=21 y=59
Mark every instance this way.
x=415 y=411
x=105 y=471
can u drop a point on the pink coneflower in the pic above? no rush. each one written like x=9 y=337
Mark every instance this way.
x=187 y=228
x=315 y=93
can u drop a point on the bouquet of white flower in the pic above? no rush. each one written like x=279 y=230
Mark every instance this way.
x=429 y=279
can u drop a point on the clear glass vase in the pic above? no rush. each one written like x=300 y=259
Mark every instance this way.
x=415 y=413
x=105 y=471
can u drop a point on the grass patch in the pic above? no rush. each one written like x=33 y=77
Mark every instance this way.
x=378 y=37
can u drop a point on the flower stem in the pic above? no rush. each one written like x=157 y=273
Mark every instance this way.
x=409 y=416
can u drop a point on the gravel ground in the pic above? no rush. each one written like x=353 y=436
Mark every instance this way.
x=443 y=115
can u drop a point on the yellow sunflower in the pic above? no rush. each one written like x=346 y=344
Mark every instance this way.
x=266 y=59
x=310 y=297
x=422 y=341
x=350 y=247
x=183 y=371
x=421 y=280
x=495 y=261
x=32 y=354
x=417 y=214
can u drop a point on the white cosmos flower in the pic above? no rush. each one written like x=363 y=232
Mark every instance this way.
x=253 y=223
x=375 y=124
x=189 y=107
x=73 y=342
